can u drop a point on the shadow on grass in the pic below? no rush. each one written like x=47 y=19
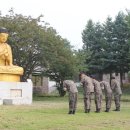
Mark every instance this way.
x=125 y=100
x=49 y=98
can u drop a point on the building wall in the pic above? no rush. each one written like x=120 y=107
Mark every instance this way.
x=40 y=84
x=43 y=85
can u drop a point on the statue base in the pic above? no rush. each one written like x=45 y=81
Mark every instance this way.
x=16 y=93
x=10 y=73
x=10 y=77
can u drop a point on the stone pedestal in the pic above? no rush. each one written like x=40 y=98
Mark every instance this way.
x=10 y=73
x=15 y=93
x=9 y=77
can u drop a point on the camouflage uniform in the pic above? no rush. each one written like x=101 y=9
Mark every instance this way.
x=116 y=89
x=108 y=94
x=98 y=95
x=88 y=89
x=73 y=95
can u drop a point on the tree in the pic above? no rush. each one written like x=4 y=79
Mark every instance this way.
x=81 y=56
x=108 y=59
x=60 y=60
x=121 y=35
x=93 y=41
x=88 y=35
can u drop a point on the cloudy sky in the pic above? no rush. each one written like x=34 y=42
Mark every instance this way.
x=68 y=17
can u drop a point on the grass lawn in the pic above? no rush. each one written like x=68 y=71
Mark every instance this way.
x=50 y=113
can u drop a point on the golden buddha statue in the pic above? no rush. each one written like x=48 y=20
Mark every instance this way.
x=8 y=71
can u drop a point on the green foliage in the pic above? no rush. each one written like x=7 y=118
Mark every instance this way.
x=108 y=44
x=88 y=35
x=81 y=56
x=121 y=34
x=61 y=62
x=108 y=59
x=93 y=42
x=129 y=74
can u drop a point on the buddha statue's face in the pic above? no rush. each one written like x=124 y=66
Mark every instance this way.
x=3 y=37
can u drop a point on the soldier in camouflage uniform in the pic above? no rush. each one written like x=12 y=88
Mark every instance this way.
x=98 y=95
x=116 y=89
x=70 y=86
x=88 y=90
x=108 y=94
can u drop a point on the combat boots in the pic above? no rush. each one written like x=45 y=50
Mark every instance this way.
x=87 y=110
x=117 y=109
x=107 y=110
x=70 y=112
x=97 y=110
x=73 y=112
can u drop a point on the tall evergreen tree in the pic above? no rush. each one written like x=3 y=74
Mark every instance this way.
x=97 y=49
x=93 y=40
x=108 y=59
x=121 y=49
x=88 y=35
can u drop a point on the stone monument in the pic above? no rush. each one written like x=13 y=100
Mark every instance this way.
x=12 y=91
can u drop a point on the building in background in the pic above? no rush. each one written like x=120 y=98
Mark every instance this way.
x=42 y=84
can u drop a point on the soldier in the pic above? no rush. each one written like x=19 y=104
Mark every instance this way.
x=116 y=89
x=88 y=89
x=98 y=95
x=108 y=94
x=70 y=86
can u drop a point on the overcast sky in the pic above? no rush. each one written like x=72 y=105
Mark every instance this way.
x=68 y=17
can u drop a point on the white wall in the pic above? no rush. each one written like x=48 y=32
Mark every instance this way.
x=52 y=86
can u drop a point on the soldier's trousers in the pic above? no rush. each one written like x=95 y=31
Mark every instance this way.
x=73 y=97
x=98 y=101
x=87 y=101
x=117 y=98
x=108 y=100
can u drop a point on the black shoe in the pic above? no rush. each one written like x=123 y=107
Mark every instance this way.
x=97 y=111
x=70 y=112
x=73 y=112
x=116 y=110
x=107 y=110
x=87 y=110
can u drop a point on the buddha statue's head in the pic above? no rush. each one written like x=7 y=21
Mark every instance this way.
x=3 y=35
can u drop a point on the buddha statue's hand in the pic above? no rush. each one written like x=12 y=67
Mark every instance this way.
x=2 y=52
x=5 y=52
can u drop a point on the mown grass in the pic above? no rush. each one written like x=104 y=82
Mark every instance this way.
x=50 y=113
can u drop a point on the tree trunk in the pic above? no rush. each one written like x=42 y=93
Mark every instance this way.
x=121 y=82
x=60 y=89
x=110 y=77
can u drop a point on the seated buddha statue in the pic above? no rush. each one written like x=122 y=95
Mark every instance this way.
x=8 y=71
